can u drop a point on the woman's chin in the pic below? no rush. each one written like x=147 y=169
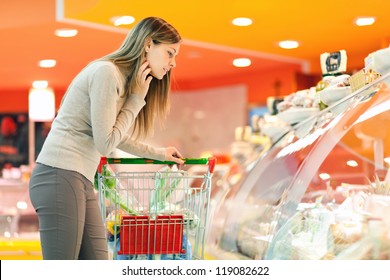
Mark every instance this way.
x=159 y=77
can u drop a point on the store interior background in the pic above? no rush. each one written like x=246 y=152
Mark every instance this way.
x=210 y=97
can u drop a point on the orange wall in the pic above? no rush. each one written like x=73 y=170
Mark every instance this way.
x=13 y=101
x=16 y=101
x=273 y=82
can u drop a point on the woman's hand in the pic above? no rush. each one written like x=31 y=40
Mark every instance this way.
x=143 y=80
x=172 y=154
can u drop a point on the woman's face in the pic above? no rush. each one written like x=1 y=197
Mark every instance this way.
x=161 y=58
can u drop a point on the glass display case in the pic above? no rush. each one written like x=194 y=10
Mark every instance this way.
x=322 y=191
x=19 y=235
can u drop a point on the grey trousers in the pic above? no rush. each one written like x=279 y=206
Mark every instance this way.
x=70 y=222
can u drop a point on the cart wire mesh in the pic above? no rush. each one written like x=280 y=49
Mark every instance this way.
x=154 y=214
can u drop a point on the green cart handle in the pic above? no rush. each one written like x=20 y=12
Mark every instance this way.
x=211 y=161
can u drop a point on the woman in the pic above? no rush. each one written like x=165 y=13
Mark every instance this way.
x=125 y=89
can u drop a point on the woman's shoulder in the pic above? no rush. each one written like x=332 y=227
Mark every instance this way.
x=100 y=70
x=103 y=68
x=102 y=64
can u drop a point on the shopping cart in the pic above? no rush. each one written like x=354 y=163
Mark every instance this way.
x=158 y=214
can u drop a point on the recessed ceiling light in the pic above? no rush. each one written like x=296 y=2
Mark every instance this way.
x=364 y=21
x=47 y=63
x=324 y=176
x=352 y=163
x=22 y=205
x=40 y=84
x=122 y=20
x=242 y=21
x=66 y=32
x=242 y=62
x=288 y=44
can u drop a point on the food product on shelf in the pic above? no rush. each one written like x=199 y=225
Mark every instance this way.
x=273 y=127
x=298 y=100
x=379 y=62
x=363 y=77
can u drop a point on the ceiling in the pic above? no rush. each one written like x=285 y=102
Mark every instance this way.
x=210 y=43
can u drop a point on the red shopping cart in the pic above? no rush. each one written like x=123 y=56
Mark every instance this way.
x=160 y=214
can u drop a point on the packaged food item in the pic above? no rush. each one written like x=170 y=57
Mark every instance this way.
x=378 y=61
x=362 y=78
x=333 y=66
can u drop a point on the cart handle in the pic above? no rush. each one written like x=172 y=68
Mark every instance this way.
x=211 y=161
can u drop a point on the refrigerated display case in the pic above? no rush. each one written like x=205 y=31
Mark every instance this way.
x=19 y=235
x=322 y=191
x=228 y=178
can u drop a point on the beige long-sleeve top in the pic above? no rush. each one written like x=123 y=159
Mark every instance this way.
x=94 y=119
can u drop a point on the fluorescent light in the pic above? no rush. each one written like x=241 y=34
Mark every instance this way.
x=40 y=84
x=288 y=44
x=242 y=21
x=47 y=63
x=66 y=32
x=122 y=20
x=242 y=62
x=364 y=21
x=41 y=104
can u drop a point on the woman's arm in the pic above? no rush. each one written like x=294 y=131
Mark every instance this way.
x=143 y=150
x=110 y=119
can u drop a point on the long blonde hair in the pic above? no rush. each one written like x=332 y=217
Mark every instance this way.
x=130 y=57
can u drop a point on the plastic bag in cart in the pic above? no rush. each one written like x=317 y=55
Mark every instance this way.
x=168 y=181
x=112 y=189
x=171 y=190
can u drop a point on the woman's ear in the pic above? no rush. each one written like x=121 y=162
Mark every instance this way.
x=148 y=44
